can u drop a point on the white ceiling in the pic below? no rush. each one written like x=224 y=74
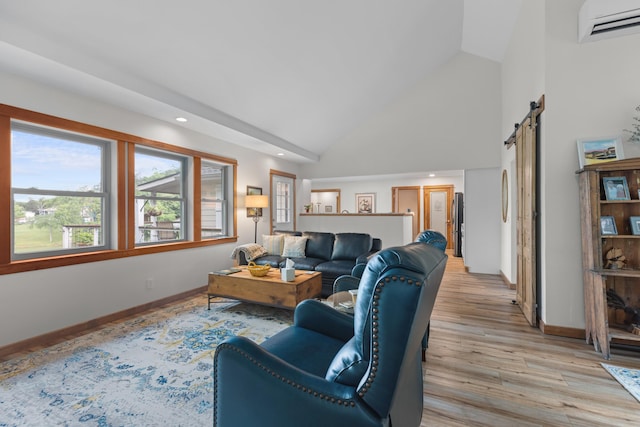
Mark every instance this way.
x=290 y=76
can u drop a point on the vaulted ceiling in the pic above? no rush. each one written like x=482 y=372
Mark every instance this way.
x=278 y=76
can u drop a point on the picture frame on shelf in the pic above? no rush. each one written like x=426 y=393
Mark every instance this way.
x=616 y=188
x=635 y=225
x=608 y=226
x=365 y=203
x=599 y=150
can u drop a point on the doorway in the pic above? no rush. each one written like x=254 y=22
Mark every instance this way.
x=283 y=200
x=437 y=210
x=325 y=201
x=407 y=199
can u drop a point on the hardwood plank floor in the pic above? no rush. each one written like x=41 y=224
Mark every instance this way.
x=487 y=367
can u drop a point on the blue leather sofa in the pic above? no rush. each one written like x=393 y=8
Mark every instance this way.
x=331 y=254
x=332 y=369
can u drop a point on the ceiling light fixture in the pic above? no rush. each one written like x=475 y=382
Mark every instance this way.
x=181 y=119
x=431 y=175
x=280 y=154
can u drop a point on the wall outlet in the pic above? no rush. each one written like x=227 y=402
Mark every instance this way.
x=149 y=283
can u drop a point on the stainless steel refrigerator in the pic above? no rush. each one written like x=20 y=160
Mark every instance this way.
x=457 y=210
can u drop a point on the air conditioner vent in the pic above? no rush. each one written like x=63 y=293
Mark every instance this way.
x=610 y=18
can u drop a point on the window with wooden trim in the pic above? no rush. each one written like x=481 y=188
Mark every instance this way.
x=160 y=196
x=59 y=191
x=78 y=193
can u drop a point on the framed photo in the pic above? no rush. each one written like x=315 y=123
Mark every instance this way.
x=599 y=150
x=366 y=202
x=253 y=191
x=635 y=225
x=616 y=188
x=328 y=209
x=608 y=226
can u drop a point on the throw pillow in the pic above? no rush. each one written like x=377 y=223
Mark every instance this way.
x=273 y=244
x=294 y=246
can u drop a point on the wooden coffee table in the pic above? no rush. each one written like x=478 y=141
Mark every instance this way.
x=268 y=290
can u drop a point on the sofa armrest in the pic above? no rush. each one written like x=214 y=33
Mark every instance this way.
x=319 y=317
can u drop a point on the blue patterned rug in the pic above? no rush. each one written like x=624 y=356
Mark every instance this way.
x=154 y=370
x=628 y=378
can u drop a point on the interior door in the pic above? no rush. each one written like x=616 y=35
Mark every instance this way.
x=407 y=199
x=525 y=228
x=437 y=203
x=283 y=200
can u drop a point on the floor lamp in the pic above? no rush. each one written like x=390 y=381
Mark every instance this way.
x=256 y=202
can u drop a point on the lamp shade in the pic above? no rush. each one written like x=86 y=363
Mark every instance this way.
x=256 y=201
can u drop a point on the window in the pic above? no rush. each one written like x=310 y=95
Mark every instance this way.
x=160 y=201
x=77 y=193
x=213 y=200
x=283 y=202
x=59 y=192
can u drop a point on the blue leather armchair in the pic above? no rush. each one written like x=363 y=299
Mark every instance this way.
x=347 y=282
x=331 y=369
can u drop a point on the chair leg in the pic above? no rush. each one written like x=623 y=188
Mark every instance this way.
x=425 y=343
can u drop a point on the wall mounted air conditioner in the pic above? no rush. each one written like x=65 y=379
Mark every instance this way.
x=601 y=19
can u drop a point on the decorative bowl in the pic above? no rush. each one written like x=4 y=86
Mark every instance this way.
x=258 y=270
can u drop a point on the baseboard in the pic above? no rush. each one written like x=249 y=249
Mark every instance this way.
x=562 y=331
x=60 y=335
x=506 y=281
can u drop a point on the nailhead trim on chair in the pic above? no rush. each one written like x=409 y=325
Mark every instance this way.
x=374 y=324
x=332 y=399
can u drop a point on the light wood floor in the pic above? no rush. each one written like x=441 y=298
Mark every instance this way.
x=487 y=366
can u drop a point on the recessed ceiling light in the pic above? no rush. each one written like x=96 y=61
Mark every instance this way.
x=280 y=154
x=431 y=175
x=181 y=119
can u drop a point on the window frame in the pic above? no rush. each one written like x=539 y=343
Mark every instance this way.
x=123 y=187
x=103 y=195
x=183 y=197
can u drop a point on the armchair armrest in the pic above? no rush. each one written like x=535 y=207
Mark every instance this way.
x=253 y=387
x=316 y=316
x=345 y=283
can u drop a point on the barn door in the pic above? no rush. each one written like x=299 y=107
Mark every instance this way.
x=526 y=221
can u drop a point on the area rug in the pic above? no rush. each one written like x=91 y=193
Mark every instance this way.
x=628 y=378
x=154 y=370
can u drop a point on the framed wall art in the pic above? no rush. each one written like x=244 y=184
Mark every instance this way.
x=599 y=150
x=254 y=191
x=366 y=203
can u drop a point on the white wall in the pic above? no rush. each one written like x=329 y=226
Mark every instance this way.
x=523 y=73
x=37 y=302
x=482 y=217
x=448 y=121
x=591 y=90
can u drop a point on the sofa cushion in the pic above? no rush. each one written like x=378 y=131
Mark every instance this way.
x=294 y=246
x=306 y=263
x=348 y=246
x=319 y=245
x=272 y=260
x=273 y=244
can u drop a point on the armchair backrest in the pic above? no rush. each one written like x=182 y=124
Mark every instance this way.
x=396 y=296
x=434 y=238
